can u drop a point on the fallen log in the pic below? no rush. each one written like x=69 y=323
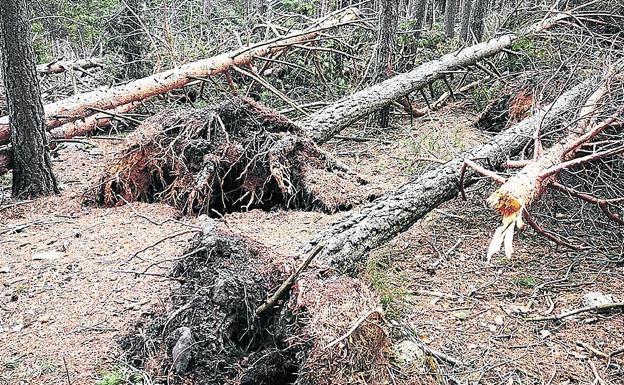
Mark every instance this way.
x=349 y=240
x=90 y=123
x=324 y=124
x=83 y=105
x=60 y=66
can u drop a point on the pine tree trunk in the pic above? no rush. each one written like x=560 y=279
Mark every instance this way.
x=466 y=10
x=388 y=23
x=32 y=166
x=348 y=241
x=418 y=14
x=477 y=20
x=449 y=18
x=132 y=40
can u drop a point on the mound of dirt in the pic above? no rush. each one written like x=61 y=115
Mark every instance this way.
x=329 y=332
x=235 y=156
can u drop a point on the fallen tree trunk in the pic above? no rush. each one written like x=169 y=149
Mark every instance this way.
x=91 y=123
x=327 y=122
x=348 y=241
x=60 y=66
x=83 y=105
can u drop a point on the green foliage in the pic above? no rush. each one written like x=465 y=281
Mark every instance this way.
x=482 y=95
x=527 y=50
x=527 y=281
x=119 y=376
x=298 y=6
x=390 y=294
x=81 y=24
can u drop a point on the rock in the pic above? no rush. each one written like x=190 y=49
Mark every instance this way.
x=182 y=351
x=409 y=353
x=499 y=320
x=5 y=269
x=49 y=255
x=596 y=298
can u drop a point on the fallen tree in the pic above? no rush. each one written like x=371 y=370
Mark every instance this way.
x=348 y=241
x=83 y=105
x=60 y=66
x=327 y=122
x=518 y=193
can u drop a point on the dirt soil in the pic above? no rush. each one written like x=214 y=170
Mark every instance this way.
x=61 y=317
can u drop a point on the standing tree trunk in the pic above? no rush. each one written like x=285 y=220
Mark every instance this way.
x=418 y=13
x=477 y=20
x=32 y=166
x=449 y=18
x=466 y=9
x=132 y=42
x=388 y=23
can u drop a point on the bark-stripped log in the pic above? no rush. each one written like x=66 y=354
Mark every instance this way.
x=91 y=123
x=348 y=241
x=327 y=122
x=57 y=67
x=80 y=106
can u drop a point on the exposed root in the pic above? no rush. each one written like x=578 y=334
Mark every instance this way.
x=235 y=156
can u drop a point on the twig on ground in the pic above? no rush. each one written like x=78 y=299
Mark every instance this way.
x=602 y=307
x=289 y=281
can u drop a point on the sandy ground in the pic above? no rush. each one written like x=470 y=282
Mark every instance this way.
x=60 y=319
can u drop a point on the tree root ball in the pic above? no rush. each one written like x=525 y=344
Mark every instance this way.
x=212 y=336
x=235 y=156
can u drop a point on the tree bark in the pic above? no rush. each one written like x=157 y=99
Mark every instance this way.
x=81 y=106
x=32 y=166
x=418 y=14
x=327 y=122
x=449 y=18
x=388 y=23
x=465 y=19
x=477 y=20
x=348 y=241
x=132 y=40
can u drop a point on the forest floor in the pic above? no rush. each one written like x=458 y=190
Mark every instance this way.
x=63 y=312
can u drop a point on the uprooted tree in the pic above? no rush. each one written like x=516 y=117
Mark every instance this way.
x=235 y=156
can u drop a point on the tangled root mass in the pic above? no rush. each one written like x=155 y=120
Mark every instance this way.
x=235 y=156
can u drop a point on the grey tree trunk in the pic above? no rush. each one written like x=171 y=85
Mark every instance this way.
x=132 y=40
x=388 y=23
x=32 y=166
x=418 y=13
x=477 y=20
x=348 y=241
x=450 y=12
x=466 y=10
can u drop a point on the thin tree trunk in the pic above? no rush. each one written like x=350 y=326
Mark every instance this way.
x=388 y=22
x=418 y=14
x=32 y=166
x=449 y=18
x=132 y=40
x=477 y=20
x=465 y=19
x=348 y=241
